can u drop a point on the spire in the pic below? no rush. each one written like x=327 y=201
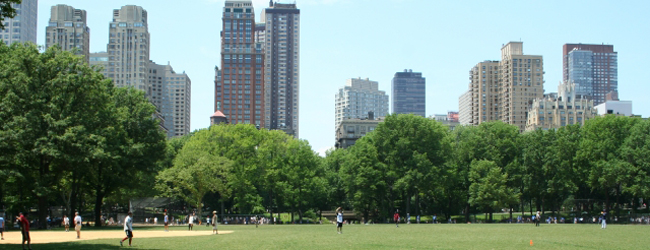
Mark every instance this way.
x=270 y=3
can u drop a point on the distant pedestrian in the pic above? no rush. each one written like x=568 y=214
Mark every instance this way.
x=190 y=222
x=2 y=228
x=538 y=217
x=24 y=225
x=77 y=224
x=214 y=222
x=339 y=220
x=396 y=218
x=166 y=221
x=603 y=215
x=128 y=228
x=66 y=223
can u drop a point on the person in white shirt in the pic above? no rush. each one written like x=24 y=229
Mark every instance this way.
x=339 y=220
x=66 y=223
x=128 y=228
x=77 y=224
x=190 y=221
x=166 y=221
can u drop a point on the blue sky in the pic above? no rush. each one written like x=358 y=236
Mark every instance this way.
x=343 y=39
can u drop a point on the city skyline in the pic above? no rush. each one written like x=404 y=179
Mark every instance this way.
x=381 y=43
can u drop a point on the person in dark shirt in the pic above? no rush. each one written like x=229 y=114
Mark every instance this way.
x=603 y=217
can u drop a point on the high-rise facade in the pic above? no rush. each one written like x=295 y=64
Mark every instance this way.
x=240 y=91
x=68 y=29
x=484 y=86
x=503 y=90
x=128 y=49
x=173 y=92
x=409 y=93
x=522 y=80
x=581 y=71
x=465 y=115
x=280 y=37
x=357 y=98
x=21 y=28
x=603 y=68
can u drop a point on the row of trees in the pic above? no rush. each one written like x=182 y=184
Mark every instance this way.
x=249 y=170
x=68 y=137
x=492 y=166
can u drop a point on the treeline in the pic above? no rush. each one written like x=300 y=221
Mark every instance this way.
x=68 y=138
x=417 y=165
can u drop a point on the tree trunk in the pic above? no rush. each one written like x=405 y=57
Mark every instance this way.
x=99 y=200
x=42 y=212
x=511 y=208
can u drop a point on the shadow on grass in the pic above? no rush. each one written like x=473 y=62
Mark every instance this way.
x=75 y=245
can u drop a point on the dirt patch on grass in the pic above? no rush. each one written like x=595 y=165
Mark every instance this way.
x=14 y=237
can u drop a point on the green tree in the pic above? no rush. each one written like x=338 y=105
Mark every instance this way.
x=50 y=106
x=131 y=148
x=197 y=171
x=488 y=189
x=364 y=179
x=600 y=150
x=493 y=141
x=7 y=11
x=414 y=150
x=636 y=152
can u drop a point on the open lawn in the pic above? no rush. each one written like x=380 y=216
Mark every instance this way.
x=384 y=236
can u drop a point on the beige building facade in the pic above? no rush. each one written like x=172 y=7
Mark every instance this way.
x=484 y=87
x=522 y=81
x=566 y=109
x=68 y=29
x=128 y=48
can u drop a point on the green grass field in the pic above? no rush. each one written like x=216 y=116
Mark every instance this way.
x=386 y=236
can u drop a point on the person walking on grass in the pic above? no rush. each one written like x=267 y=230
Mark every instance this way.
x=77 y=224
x=128 y=228
x=538 y=217
x=66 y=223
x=603 y=215
x=339 y=220
x=24 y=230
x=214 y=222
x=396 y=218
x=166 y=221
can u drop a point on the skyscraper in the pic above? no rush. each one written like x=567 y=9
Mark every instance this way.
x=279 y=35
x=595 y=61
x=409 y=93
x=522 y=80
x=484 y=87
x=173 y=92
x=21 y=28
x=241 y=88
x=503 y=90
x=128 y=49
x=357 y=98
x=68 y=29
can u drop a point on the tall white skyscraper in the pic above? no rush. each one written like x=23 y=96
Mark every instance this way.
x=21 y=28
x=68 y=29
x=280 y=37
x=357 y=98
x=128 y=48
